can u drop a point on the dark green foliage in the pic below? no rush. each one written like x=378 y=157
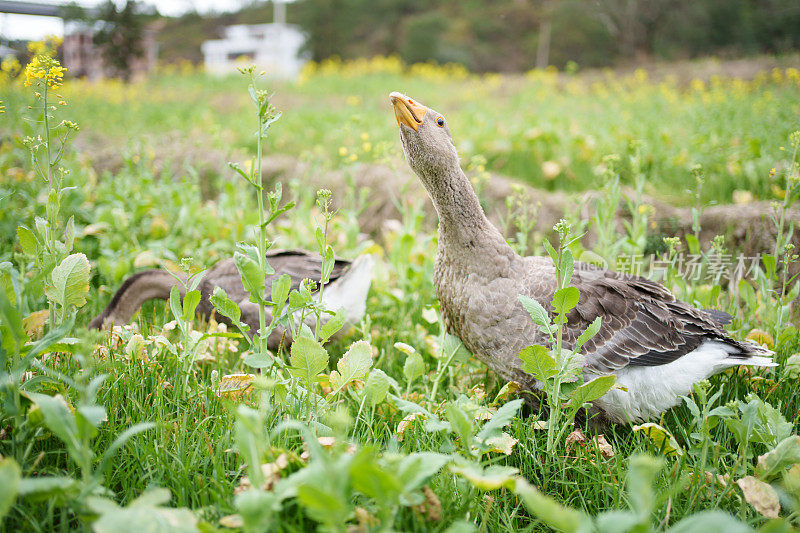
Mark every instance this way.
x=120 y=36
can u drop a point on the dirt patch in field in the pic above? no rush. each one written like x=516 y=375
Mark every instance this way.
x=748 y=228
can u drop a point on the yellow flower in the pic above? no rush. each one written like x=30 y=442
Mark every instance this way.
x=45 y=68
x=342 y=151
x=2 y=107
x=366 y=147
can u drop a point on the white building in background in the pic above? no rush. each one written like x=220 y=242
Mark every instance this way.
x=276 y=48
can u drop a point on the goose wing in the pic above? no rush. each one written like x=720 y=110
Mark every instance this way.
x=643 y=324
x=300 y=264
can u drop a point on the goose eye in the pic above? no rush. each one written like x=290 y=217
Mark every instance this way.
x=440 y=122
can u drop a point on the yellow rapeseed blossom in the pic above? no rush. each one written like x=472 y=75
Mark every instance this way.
x=44 y=69
x=2 y=107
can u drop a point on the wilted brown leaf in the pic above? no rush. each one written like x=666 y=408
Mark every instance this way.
x=405 y=423
x=431 y=507
x=576 y=437
x=502 y=443
x=760 y=495
x=234 y=386
x=232 y=521
x=661 y=438
x=508 y=389
x=34 y=323
x=605 y=448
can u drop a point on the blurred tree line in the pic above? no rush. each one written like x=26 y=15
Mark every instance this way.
x=513 y=35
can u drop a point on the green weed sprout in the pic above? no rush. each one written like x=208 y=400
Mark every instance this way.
x=559 y=370
x=66 y=276
x=251 y=260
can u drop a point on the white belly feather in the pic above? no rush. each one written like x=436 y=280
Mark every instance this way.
x=651 y=390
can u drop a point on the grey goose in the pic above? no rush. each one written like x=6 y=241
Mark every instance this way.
x=347 y=290
x=655 y=345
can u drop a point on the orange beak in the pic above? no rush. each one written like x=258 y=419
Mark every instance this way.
x=407 y=111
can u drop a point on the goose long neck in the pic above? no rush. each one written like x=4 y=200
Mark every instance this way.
x=462 y=222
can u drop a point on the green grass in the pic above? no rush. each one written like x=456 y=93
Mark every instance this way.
x=161 y=134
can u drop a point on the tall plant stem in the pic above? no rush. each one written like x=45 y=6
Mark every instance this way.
x=262 y=235
x=51 y=215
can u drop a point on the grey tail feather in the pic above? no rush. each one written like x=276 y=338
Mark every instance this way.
x=756 y=360
x=752 y=354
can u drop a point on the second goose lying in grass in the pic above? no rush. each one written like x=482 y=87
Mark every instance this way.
x=657 y=346
x=347 y=289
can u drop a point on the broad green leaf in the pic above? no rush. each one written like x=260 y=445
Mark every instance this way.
x=567 y=266
x=353 y=365
x=564 y=300
x=537 y=362
x=190 y=302
x=499 y=420
x=227 y=307
x=259 y=360
x=58 y=418
x=327 y=265
x=662 y=439
x=10 y=474
x=416 y=468
x=249 y=250
x=461 y=423
x=372 y=479
x=253 y=278
x=308 y=358
x=588 y=333
x=377 y=386
x=769 y=264
x=692 y=243
x=47 y=487
x=93 y=414
x=28 y=241
x=280 y=292
x=257 y=508
x=453 y=345
x=142 y=515
x=620 y=522
x=319 y=234
x=12 y=332
x=175 y=305
x=414 y=367
x=70 y=281
x=535 y=309
x=592 y=390
x=774 y=462
x=332 y=325
x=710 y=522
x=642 y=472
x=461 y=526
x=549 y=511
x=550 y=251
x=490 y=478
x=323 y=500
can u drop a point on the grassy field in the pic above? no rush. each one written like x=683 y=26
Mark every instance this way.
x=420 y=437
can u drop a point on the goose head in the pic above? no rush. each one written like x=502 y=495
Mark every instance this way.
x=426 y=139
